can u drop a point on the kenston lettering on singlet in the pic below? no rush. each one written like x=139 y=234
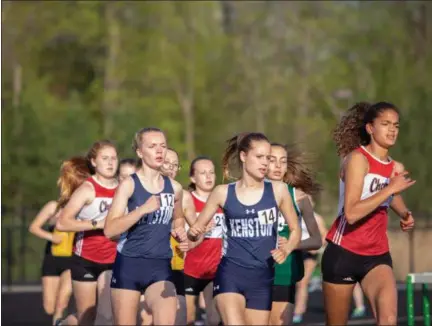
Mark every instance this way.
x=259 y=226
x=163 y=214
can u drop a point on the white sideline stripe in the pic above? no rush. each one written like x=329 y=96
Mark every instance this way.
x=422 y=278
x=21 y=288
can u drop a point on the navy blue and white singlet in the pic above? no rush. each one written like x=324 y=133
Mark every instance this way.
x=144 y=252
x=247 y=266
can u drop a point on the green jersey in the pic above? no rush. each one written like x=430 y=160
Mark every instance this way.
x=292 y=270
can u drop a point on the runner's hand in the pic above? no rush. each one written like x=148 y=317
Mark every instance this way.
x=279 y=255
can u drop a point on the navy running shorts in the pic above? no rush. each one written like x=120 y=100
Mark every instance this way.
x=136 y=273
x=254 y=284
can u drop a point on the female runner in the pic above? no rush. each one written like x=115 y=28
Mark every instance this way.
x=143 y=262
x=170 y=168
x=73 y=173
x=310 y=260
x=94 y=254
x=56 y=281
x=286 y=165
x=244 y=279
x=358 y=248
x=201 y=262
x=126 y=168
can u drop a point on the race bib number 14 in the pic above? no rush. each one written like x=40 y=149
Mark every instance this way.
x=267 y=216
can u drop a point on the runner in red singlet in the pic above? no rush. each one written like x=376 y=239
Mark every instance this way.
x=370 y=182
x=202 y=261
x=94 y=254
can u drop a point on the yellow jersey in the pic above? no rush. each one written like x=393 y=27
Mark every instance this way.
x=64 y=248
x=177 y=261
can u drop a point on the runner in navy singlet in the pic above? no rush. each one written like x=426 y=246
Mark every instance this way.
x=143 y=262
x=244 y=279
x=170 y=168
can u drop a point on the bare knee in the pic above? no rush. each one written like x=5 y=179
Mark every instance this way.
x=61 y=306
x=49 y=307
x=387 y=315
x=63 y=302
x=387 y=319
x=303 y=283
x=275 y=319
x=190 y=310
x=164 y=313
x=88 y=316
x=279 y=312
x=213 y=319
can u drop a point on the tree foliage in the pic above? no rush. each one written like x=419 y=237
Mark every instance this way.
x=76 y=71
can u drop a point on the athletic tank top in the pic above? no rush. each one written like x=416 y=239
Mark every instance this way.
x=251 y=229
x=65 y=247
x=368 y=236
x=50 y=228
x=93 y=245
x=292 y=270
x=178 y=257
x=202 y=261
x=49 y=243
x=150 y=236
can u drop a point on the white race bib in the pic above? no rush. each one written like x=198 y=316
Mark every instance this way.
x=267 y=216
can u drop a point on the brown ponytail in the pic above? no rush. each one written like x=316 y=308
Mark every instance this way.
x=239 y=143
x=299 y=174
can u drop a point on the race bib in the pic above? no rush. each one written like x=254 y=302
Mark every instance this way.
x=267 y=216
x=218 y=229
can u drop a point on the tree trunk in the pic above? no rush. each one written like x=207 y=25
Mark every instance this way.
x=227 y=16
x=185 y=89
x=18 y=134
x=111 y=81
x=304 y=91
x=187 y=106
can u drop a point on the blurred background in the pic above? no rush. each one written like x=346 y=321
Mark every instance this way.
x=77 y=71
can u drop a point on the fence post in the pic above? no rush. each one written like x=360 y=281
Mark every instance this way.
x=9 y=257
x=410 y=300
x=23 y=235
x=411 y=251
x=426 y=305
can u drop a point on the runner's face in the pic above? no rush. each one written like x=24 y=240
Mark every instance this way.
x=204 y=175
x=153 y=149
x=384 y=129
x=171 y=164
x=278 y=163
x=256 y=160
x=125 y=171
x=106 y=162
